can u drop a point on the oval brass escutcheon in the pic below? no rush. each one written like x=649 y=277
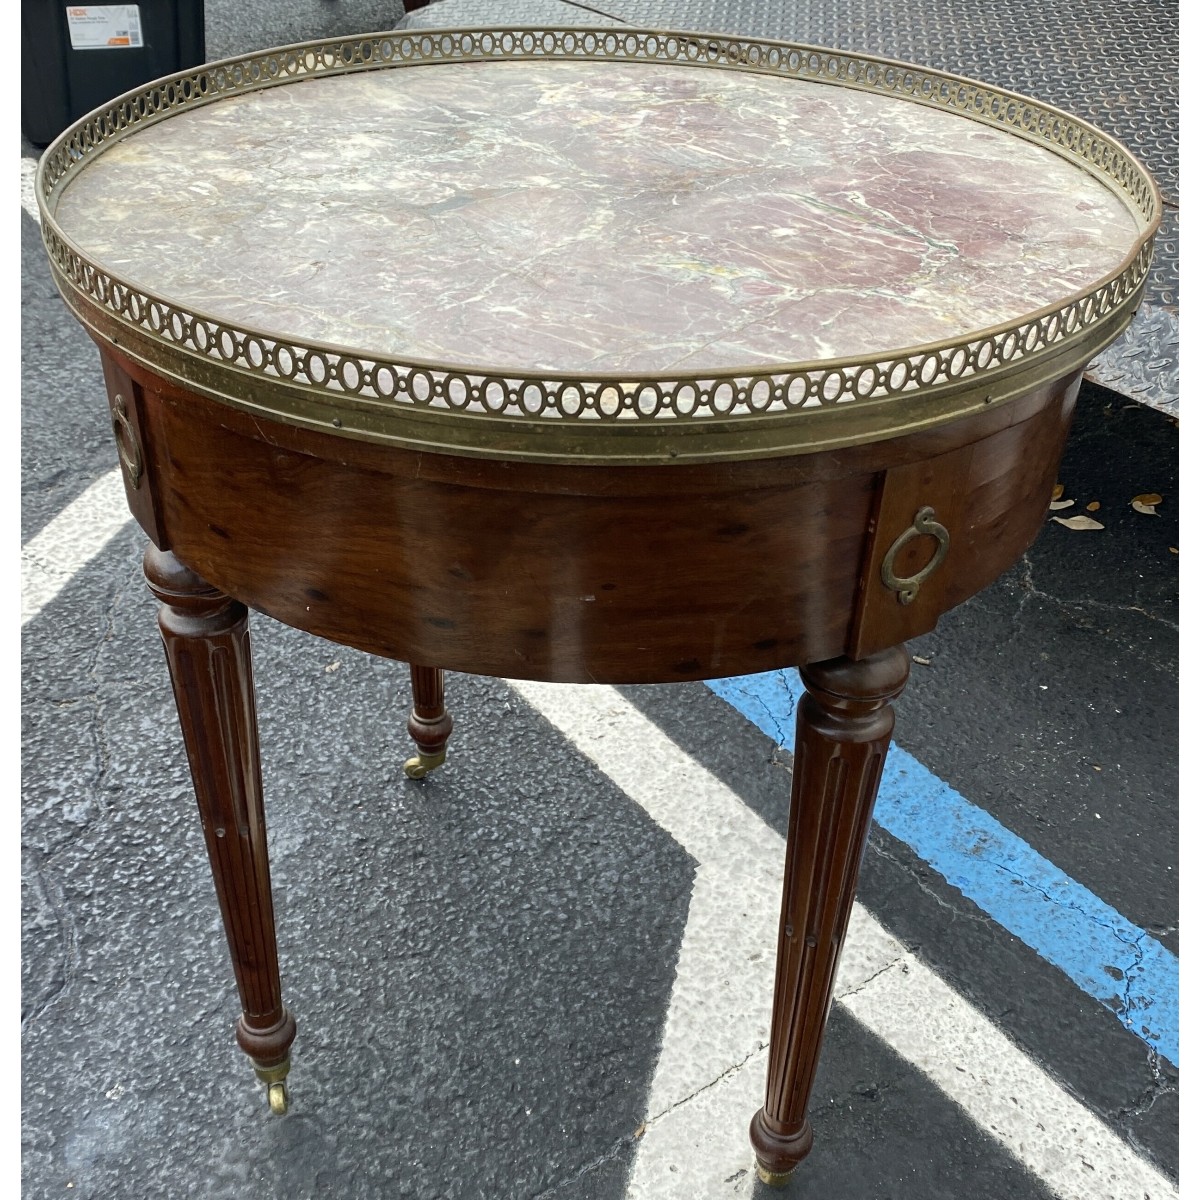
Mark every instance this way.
x=128 y=450
x=924 y=525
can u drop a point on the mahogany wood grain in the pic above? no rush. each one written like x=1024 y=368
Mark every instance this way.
x=990 y=494
x=125 y=407
x=574 y=573
x=589 y=574
x=429 y=724
x=308 y=483
x=843 y=727
x=207 y=644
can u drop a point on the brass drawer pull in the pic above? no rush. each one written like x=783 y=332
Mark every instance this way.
x=906 y=586
x=128 y=450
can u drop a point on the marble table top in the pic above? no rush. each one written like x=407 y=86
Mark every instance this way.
x=576 y=216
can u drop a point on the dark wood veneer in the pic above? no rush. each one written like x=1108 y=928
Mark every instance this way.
x=589 y=574
x=843 y=727
x=207 y=643
x=572 y=574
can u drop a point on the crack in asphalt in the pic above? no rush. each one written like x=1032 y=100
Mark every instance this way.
x=1124 y=1117
x=587 y=1168
x=1125 y=1001
x=1139 y=955
x=1028 y=588
x=68 y=938
x=792 y=679
x=1157 y=1087
x=1125 y=1005
x=871 y=978
x=712 y=1083
x=924 y=887
x=755 y=702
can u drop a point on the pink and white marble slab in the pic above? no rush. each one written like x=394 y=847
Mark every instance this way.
x=579 y=217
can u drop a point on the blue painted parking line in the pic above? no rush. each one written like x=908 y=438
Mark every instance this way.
x=1105 y=955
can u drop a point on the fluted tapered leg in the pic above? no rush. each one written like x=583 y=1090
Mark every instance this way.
x=429 y=723
x=843 y=728
x=207 y=642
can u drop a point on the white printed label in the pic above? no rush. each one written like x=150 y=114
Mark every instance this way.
x=104 y=26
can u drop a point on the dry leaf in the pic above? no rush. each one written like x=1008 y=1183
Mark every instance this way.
x=1094 y=506
x=1148 y=509
x=1057 y=504
x=923 y=661
x=1150 y=498
x=637 y=1133
x=1058 y=491
x=1080 y=522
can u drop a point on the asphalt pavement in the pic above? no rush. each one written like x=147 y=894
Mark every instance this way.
x=529 y=976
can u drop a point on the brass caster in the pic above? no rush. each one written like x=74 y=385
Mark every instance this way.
x=776 y=1179
x=275 y=1077
x=422 y=764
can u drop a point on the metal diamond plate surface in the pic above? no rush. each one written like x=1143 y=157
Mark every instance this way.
x=1143 y=363
x=1112 y=62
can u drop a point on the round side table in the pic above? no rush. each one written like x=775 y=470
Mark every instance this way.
x=586 y=356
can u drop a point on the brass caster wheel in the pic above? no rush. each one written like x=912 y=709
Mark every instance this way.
x=776 y=1179
x=275 y=1077
x=422 y=764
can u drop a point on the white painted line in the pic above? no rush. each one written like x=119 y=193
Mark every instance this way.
x=63 y=548
x=721 y=1003
x=1013 y=1099
x=709 y=1076
x=28 y=196
x=80 y=532
x=711 y=1067
x=701 y=1150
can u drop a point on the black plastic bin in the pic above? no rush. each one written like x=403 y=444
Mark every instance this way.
x=69 y=67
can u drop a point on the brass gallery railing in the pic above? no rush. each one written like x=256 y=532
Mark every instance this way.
x=746 y=412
